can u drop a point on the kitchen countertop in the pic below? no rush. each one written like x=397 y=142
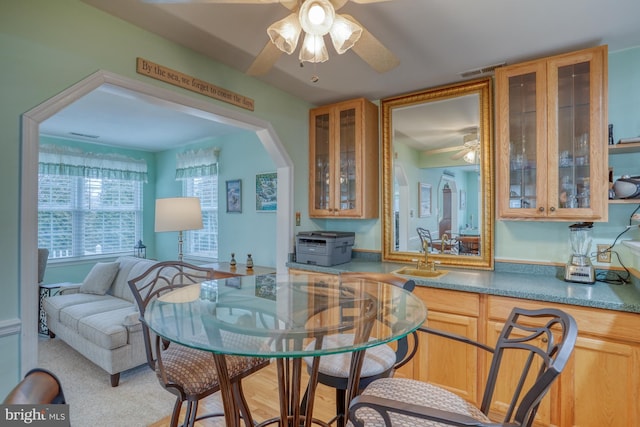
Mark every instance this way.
x=534 y=282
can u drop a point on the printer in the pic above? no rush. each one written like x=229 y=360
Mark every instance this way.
x=324 y=248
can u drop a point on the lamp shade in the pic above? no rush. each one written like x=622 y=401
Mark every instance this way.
x=285 y=33
x=344 y=34
x=178 y=214
x=313 y=49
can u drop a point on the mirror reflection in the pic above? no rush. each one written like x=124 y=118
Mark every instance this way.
x=437 y=174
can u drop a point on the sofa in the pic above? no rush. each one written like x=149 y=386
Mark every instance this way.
x=99 y=317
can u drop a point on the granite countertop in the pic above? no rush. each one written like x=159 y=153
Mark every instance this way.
x=534 y=282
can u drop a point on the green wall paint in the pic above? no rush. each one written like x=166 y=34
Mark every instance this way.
x=48 y=46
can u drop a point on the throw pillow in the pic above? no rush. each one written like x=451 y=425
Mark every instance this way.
x=100 y=278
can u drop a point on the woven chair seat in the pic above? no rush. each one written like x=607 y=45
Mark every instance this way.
x=415 y=392
x=377 y=359
x=195 y=370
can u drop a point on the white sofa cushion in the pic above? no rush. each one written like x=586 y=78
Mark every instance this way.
x=100 y=278
x=106 y=329
x=70 y=316
x=53 y=305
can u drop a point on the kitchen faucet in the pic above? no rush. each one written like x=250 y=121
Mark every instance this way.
x=426 y=264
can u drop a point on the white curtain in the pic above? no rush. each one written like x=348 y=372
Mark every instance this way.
x=197 y=163
x=62 y=160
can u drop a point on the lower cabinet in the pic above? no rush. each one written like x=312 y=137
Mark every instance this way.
x=598 y=388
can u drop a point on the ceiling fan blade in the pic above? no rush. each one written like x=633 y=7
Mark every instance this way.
x=372 y=51
x=460 y=154
x=265 y=60
x=220 y=1
x=368 y=1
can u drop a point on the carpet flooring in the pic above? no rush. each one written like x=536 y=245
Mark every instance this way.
x=138 y=401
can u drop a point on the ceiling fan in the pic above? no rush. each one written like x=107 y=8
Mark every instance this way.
x=470 y=151
x=313 y=19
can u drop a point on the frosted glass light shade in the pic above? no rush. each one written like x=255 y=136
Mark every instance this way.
x=344 y=34
x=316 y=17
x=178 y=214
x=285 y=33
x=313 y=49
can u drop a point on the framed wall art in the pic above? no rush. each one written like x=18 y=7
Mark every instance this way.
x=234 y=196
x=267 y=192
x=424 y=200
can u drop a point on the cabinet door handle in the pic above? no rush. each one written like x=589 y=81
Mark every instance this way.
x=552 y=209
x=541 y=209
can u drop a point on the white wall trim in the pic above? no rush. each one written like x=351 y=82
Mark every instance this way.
x=29 y=184
x=9 y=327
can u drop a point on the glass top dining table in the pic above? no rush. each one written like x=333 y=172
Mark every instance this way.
x=287 y=318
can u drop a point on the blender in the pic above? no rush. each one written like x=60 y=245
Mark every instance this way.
x=579 y=268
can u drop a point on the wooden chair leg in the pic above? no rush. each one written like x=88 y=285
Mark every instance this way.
x=176 y=412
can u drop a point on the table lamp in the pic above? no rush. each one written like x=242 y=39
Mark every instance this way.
x=178 y=214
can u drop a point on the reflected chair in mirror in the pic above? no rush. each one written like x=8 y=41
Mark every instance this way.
x=379 y=361
x=425 y=237
x=38 y=387
x=531 y=351
x=188 y=373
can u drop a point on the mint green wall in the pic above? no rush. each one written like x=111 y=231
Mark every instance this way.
x=48 y=46
x=241 y=157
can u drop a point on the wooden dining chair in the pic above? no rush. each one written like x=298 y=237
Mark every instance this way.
x=379 y=361
x=188 y=373
x=538 y=342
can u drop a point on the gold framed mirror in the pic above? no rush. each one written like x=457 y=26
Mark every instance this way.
x=441 y=139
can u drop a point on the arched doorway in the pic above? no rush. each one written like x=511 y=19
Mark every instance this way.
x=29 y=183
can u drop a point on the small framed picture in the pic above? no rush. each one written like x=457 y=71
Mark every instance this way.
x=234 y=196
x=463 y=199
x=424 y=200
x=267 y=192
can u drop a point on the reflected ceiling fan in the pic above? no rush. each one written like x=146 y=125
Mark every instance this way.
x=470 y=151
x=311 y=20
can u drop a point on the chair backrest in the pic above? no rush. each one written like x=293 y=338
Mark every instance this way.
x=159 y=279
x=43 y=257
x=539 y=342
x=39 y=386
x=405 y=348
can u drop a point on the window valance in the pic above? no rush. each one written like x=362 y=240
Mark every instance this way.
x=197 y=163
x=68 y=161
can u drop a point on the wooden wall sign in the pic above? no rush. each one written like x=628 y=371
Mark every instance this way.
x=185 y=81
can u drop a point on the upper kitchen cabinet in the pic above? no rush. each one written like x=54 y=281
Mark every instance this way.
x=552 y=138
x=343 y=160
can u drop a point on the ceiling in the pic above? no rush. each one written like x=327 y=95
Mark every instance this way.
x=435 y=41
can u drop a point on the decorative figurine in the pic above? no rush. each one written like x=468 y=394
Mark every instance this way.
x=249 y=262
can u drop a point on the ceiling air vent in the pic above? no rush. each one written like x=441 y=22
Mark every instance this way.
x=84 y=135
x=483 y=70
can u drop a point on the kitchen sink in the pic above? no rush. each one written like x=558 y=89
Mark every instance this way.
x=424 y=274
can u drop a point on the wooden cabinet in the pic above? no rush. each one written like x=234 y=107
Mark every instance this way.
x=600 y=384
x=449 y=364
x=343 y=160
x=551 y=138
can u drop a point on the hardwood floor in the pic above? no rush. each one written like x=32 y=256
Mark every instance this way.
x=261 y=391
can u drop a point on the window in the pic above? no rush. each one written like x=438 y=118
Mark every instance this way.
x=203 y=243
x=88 y=204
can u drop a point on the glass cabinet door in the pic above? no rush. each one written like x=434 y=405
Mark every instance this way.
x=321 y=173
x=577 y=130
x=347 y=152
x=551 y=138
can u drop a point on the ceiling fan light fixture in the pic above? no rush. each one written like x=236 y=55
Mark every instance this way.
x=285 y=33
x=316 y=17
x=313 y=49
x=344 y=34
